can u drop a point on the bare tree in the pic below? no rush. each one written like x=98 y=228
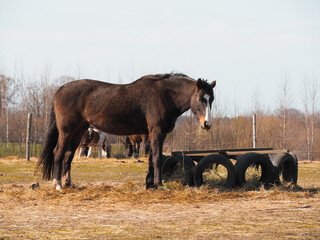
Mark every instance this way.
x=9 y=89
x=65 y=79
x=219 y=114
x=190 y=131
x=313 y=97
x=305 y=100
x=257 y=108
x=256 y=112
x=45 y=79
x=285 y=99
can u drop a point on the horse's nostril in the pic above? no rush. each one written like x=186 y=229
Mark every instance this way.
x=206 y=125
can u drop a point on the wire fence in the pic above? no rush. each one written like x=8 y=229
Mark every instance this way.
x=18 y=149
x=186 y=136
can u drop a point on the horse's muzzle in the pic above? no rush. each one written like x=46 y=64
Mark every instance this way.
x=205 y=125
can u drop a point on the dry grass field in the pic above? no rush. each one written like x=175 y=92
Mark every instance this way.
x=108 y=200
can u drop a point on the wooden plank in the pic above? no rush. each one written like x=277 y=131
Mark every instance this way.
x=234 y=153
x=260 y=152
x=220 y=151
x=229 y=152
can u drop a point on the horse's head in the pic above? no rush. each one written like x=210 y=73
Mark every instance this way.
x=201 y=101
x=128 y=150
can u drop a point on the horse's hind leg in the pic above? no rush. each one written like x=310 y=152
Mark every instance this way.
x=59 y=153
x=66 y=167
x=63 y=154
x=150 y=175
x=68 y=157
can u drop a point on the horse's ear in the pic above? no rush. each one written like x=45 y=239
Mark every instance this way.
x=213 y=84
x=199 y=83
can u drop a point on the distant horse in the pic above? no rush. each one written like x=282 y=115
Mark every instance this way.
x=149 y=105
x=92 y=138
x=132 y=145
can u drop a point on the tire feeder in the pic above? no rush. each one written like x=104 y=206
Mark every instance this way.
x=186 y=163
x=255 y=159
x=207 y=163
x=286 y=168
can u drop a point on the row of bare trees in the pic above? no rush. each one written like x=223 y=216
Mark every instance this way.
x=284 y=128
x=237 y=132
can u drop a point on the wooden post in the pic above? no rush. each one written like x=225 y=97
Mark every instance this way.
x=28 y=136
x=254 y=131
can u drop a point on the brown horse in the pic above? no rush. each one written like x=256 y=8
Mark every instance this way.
x=149 y=105
x=94 y=138
x=132 y=145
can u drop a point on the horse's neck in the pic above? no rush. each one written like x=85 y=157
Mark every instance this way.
x=183 y=95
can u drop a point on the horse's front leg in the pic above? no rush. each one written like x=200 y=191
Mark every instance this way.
x=157 y=138
x=89 y=152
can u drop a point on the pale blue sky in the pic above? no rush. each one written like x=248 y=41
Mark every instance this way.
x=247 y=46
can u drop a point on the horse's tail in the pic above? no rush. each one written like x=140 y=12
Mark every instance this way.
x=46 y=159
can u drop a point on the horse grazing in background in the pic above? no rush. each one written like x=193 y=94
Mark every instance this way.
x=149 y=105
x=132 y=145
x=92 y=138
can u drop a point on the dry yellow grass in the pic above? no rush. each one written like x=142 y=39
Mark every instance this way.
x=109 y=201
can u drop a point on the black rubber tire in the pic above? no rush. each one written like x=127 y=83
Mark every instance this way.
x=164 y=158
x=186 y=162
x=207 y=163
x=287 y=165
x=249 y=159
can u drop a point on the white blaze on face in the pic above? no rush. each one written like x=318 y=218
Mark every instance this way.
x=208 y=117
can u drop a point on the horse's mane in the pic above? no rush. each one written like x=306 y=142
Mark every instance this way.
x=159 y=77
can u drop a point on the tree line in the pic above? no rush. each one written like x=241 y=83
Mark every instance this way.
x=284 y=128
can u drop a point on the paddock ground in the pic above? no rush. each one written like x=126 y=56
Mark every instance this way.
x=108 y=200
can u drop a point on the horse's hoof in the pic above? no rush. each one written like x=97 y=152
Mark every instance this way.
x=149 y=184
x=56 y=184
x=152 y=186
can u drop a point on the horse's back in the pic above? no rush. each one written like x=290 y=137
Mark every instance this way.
x=87 y=101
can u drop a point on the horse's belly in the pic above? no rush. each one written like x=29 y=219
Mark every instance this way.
x=120 y=126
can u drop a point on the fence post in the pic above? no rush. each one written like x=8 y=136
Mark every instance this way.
x=254 y=131
x=28 y=136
